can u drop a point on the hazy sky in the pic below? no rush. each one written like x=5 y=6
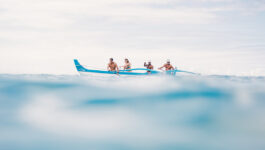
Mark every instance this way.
x=205 y=36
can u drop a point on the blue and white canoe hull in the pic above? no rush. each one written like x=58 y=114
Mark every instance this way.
x=131 y=72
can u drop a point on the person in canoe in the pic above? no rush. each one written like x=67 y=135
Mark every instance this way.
x=127 y=64
x=149 y=66
x=112 y=66
x=167 y=66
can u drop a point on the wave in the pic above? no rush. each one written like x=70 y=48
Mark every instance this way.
x=159 y=112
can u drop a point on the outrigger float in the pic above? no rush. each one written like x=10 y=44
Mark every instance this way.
x=134 y=72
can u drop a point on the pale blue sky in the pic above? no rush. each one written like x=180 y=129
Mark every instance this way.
x=206 y=36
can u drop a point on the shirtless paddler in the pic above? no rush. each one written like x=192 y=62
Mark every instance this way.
x=112 y=66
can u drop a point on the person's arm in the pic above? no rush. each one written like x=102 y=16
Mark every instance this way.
x=117 y=68
x=123 y=67
x=145 y=64
x=161 y=67
x=172 y=68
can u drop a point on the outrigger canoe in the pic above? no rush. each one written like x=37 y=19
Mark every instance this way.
x=135 y=72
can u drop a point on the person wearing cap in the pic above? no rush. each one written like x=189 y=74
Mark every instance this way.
x=167 y=66
x=112 y=66
x=149 y=66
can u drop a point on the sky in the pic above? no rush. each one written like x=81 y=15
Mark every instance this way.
x=225 y=37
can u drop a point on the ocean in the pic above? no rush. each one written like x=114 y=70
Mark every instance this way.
x=66 y=112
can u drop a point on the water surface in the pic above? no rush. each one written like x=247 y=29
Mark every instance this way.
x=187 y=113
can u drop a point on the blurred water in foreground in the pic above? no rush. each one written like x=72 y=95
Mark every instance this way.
x=188 y=113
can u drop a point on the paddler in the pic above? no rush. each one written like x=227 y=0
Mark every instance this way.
x=127 y=64
x=149 y=66
x=112 y=66
x=167 y=66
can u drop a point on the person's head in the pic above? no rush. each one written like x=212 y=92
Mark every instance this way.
x=149 y=62
x=168 y=62
x=111 y=59
x=126 y=60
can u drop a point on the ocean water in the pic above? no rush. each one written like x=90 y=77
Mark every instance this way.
x=49 y=112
